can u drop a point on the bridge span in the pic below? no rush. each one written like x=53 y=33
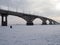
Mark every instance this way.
x=29 y=18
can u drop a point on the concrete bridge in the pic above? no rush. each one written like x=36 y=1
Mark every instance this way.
x=27 y=17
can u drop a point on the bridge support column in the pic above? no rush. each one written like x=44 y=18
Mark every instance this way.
x=50 y=23
x=30 y=23
x=4 y=20
x=44 y=22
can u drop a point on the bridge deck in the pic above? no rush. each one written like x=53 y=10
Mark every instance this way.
x=28 y=17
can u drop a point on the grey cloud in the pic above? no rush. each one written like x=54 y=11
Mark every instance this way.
x=14 y=3
x=32 y=5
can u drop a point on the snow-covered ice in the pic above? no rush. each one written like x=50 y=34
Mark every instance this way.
x=30 y=35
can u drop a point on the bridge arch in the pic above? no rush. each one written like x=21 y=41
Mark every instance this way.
x=47 y=22
x=16 y=19
x=37 y=21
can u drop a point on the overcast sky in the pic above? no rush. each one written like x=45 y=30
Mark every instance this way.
x=39 y=7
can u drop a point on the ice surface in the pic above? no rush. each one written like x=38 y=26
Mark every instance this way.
x=30 y=35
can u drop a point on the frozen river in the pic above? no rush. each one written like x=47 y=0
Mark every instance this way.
x=30 y=35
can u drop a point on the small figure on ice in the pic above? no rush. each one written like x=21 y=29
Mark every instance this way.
x=10 y=26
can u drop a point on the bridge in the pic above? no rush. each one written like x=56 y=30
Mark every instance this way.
x=29 y=18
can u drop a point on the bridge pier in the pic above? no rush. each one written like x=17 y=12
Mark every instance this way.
x=29 y=23
x=44 y=22
x=29 y=19
x=4 y=20
x=50 y=23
